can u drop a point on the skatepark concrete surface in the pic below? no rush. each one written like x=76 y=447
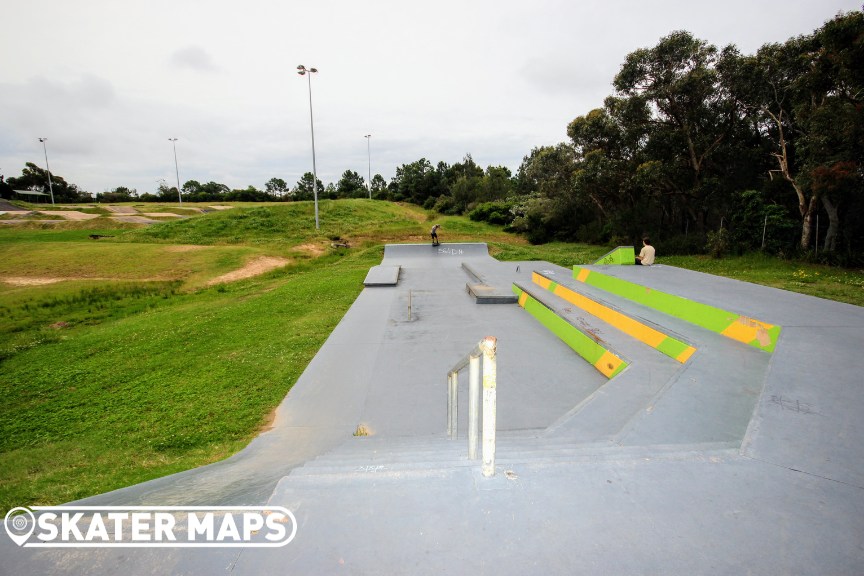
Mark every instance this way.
x=736 y=462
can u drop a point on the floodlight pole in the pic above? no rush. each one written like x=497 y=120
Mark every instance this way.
x=369 y=155
x=303 y=71
x=48 y=168
x=176 y=168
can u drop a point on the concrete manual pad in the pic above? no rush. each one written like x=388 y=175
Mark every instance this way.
x=742 y=462
x=382 y=276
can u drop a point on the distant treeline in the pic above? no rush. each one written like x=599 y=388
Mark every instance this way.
x=703 y=149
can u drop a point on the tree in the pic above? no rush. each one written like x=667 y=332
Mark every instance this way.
x=277 y=187
x=496 y=184
x=768 y=85
x=379 y=186
x=249 y=194
x=304 y=189
x=416 y=182
x=119 y=194
x=833 y=147
x=6 y=190
x=692 y=114
x=612 y=174
x=35 y=178
x=192 y=188
x=351 y=185
x=805 y=98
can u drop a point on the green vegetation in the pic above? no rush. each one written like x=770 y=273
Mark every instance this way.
x=128 y=366
x=131 y=365
x=704 y=149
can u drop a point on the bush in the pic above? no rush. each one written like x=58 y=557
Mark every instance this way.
x=446 y=205
x=683 y=245
x=717 y=243
x=752 y=216
x=493 y=212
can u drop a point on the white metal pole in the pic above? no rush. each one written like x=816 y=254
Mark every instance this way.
x=490 y=373
x=303 y=71
x=452 y=404
x=48 y=168
x=369 y=155
x=473 y=405
x=176 y=169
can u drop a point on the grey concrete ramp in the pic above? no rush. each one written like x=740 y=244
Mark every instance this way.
x=738 y=462
x=428 y=255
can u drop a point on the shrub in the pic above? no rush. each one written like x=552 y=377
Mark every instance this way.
x=498 y=212
x=717 y=243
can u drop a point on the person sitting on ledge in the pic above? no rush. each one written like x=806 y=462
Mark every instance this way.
x=646 y=255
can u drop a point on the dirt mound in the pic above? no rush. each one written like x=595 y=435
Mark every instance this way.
x=314 y=250
x=184 y=248
x=69 y=214
x=254 y=268
x=22 y=281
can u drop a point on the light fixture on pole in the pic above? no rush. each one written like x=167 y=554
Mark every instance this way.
x=176 y=168
x=48 y=168
x=369 y=155
x=303 y=71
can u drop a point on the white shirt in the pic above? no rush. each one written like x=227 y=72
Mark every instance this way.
x=646 y=256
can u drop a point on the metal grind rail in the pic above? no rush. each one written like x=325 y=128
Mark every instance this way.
x=485 y=349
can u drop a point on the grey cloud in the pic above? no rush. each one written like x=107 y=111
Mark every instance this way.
x=194 y=58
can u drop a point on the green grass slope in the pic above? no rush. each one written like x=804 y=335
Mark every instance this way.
x=128 y=366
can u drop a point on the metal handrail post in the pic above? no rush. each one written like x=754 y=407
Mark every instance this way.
x=473 y=405
x=484 y=352
x=490 y=373
x=452 y=404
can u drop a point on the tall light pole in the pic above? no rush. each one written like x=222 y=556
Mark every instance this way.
x=50 y=184
x=369 y=155
x=303 y=71
x=176 y=168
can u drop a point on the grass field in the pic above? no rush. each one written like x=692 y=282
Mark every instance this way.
x=120 y=362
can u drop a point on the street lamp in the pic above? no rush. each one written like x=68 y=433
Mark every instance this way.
x=369 y=155
x=176 y=168
x=50 y=184
x=302 y=71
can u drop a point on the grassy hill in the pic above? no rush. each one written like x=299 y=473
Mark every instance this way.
x=121 y=362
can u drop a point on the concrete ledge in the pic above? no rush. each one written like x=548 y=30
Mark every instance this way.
x=668 y=345
x=483 y=292
x=738 y=327
x=382 y=276
x=620 y=256
x=590 y=347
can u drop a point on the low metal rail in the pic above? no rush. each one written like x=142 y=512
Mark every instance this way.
x=485 y=350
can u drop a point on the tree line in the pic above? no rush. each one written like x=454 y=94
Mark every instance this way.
x=710 y=149
x=350 y=185
x=700 y=147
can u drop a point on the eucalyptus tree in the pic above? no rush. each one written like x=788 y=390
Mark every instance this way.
x=805 y=99
x=691 y=116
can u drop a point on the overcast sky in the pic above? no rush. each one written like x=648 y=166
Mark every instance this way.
x=108 y=82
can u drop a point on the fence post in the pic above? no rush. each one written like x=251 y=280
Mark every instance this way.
x=490 y=372
x=473 y=405
x=764 y=229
